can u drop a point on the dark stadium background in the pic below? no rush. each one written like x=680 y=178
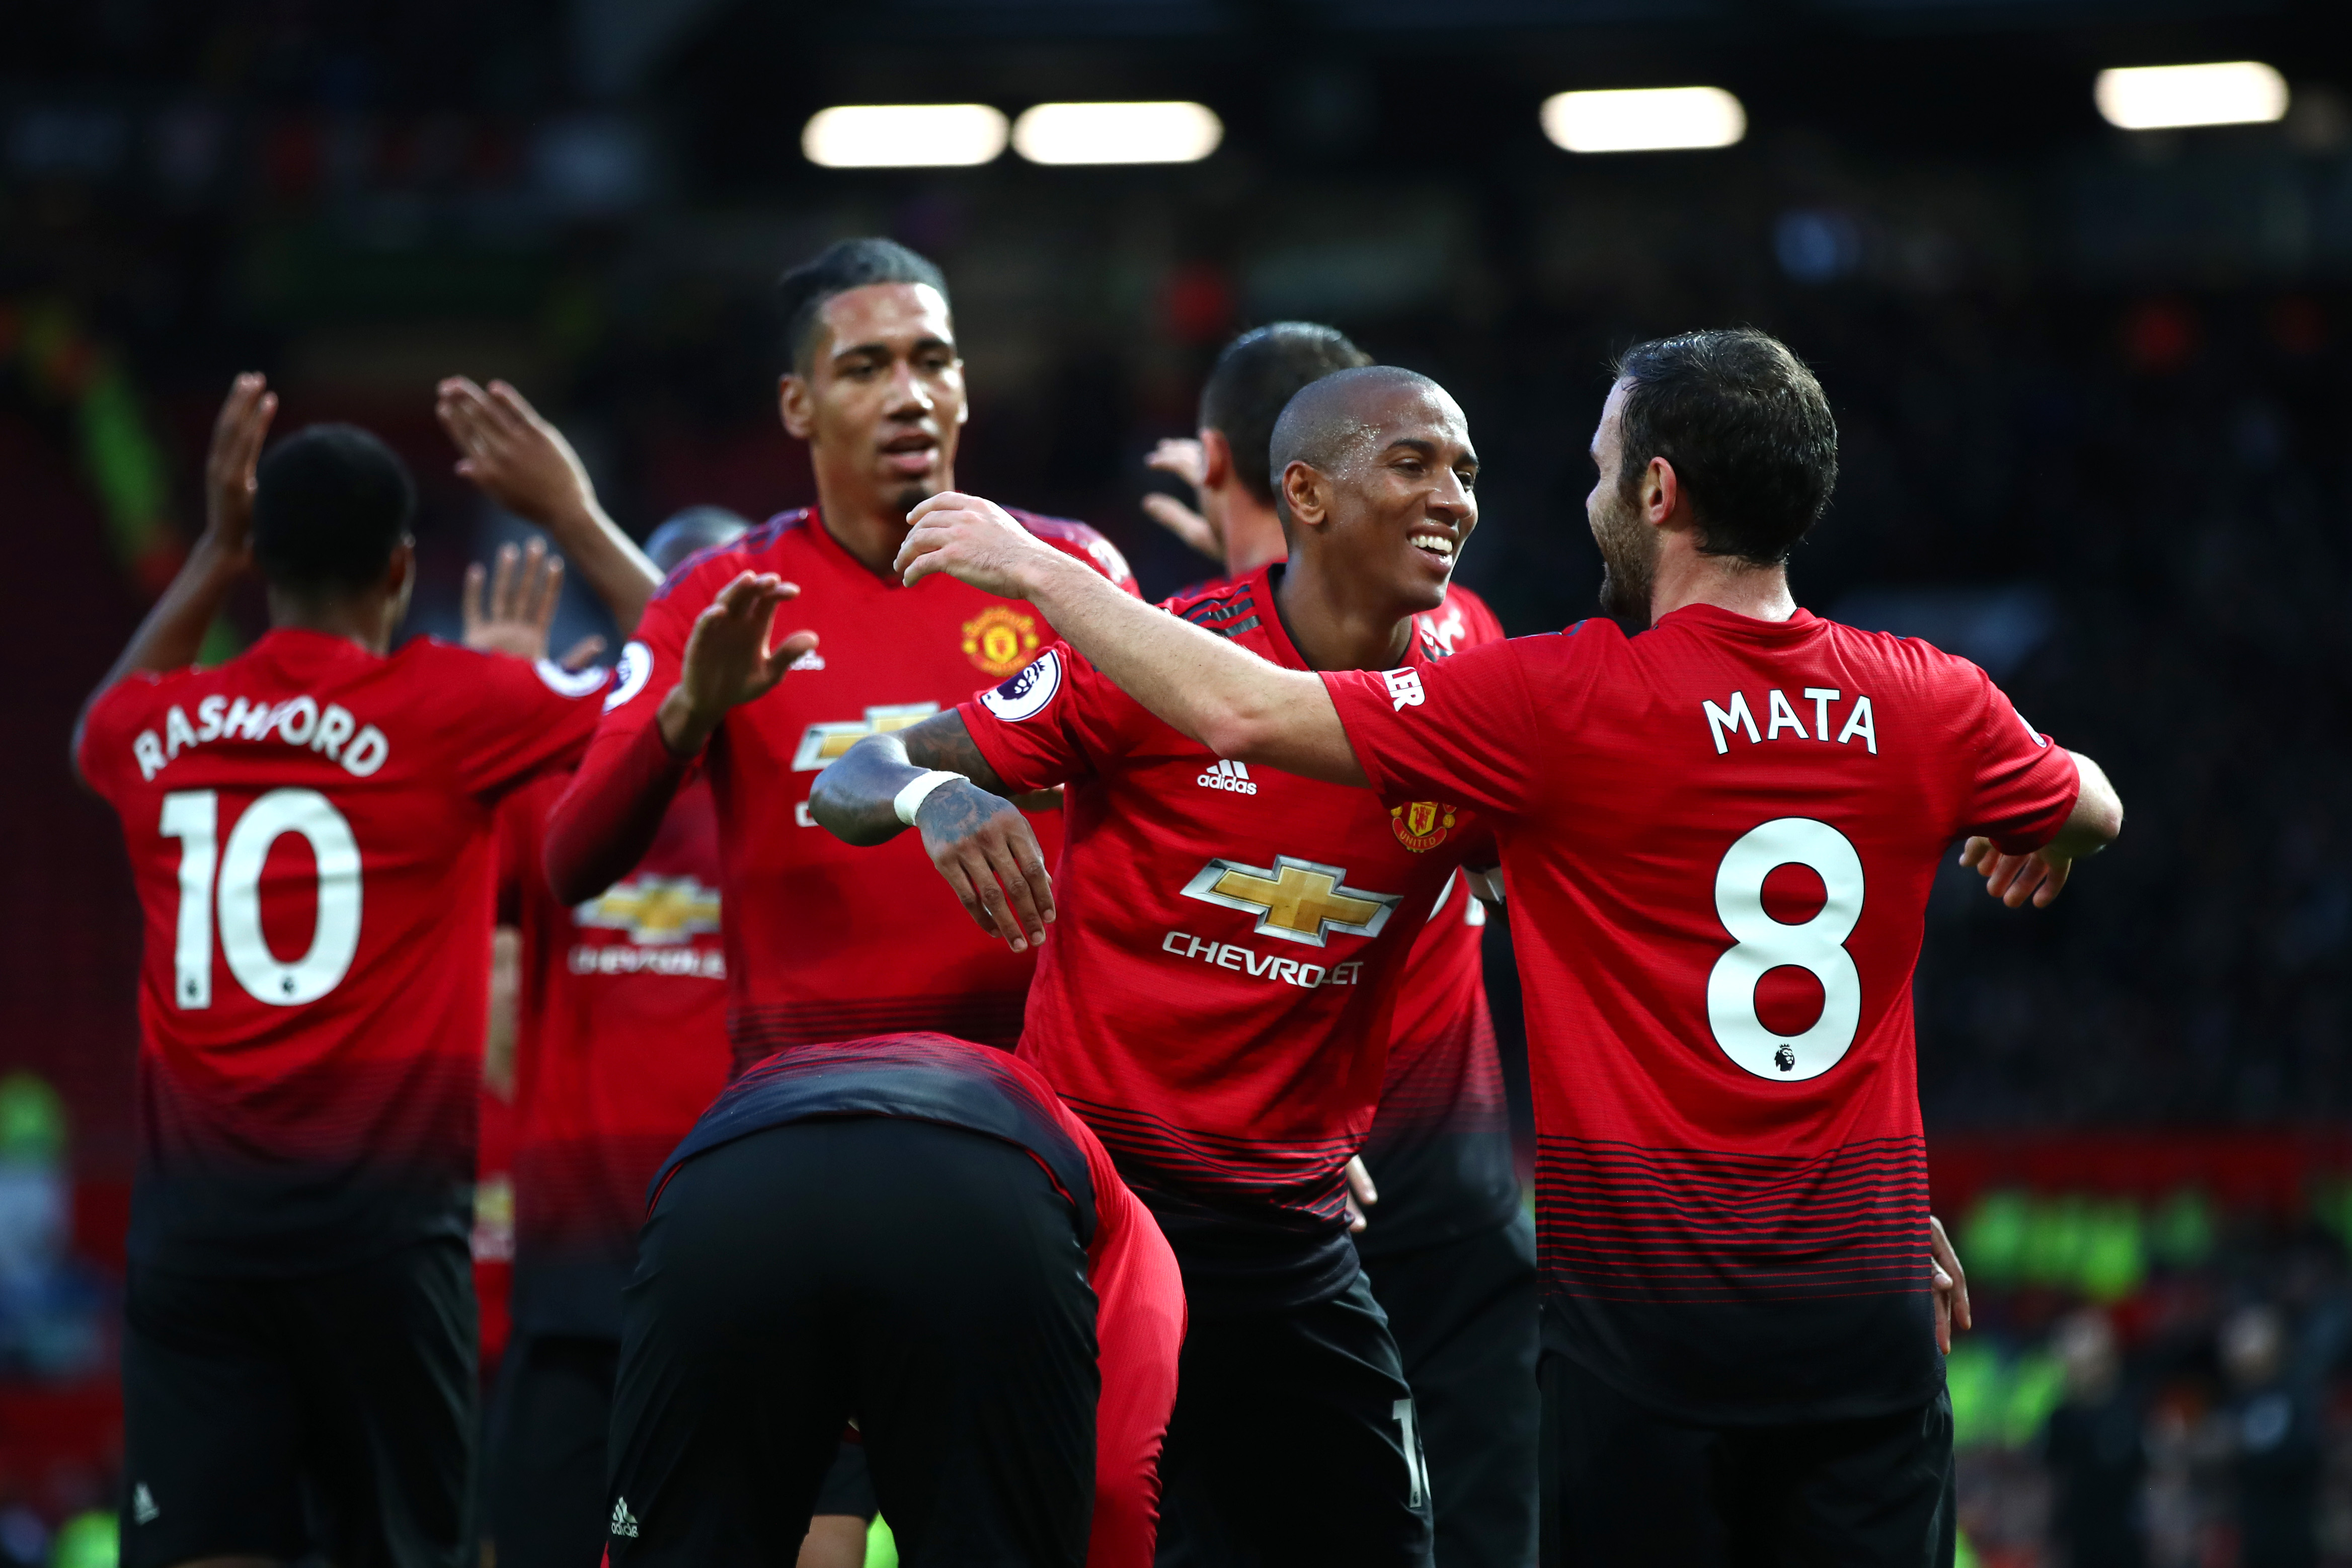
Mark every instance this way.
x=2092 y=386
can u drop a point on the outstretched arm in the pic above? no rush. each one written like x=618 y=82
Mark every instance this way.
x=523 y=463
x=2095 y=822
x=1224 y=696
x=174 y=629
x=977 y=840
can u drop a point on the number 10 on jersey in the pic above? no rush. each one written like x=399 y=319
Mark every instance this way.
x=1762 y=944
x=229 y=878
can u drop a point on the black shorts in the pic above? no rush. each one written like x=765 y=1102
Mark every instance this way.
x=1623 y=1485
x=927 y=1280
x=545 y=1465
x=1295 y=1440
x=330 y=1414
x=1466 y=1320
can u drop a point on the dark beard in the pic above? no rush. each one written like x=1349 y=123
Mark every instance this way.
x=911 y=498
x=1629 y=562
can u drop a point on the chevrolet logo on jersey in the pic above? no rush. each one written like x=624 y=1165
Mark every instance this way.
x=657 y=912
x=1298 y=900
x=821 y=744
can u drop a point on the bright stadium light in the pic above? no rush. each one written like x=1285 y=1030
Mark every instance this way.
x=1118 y=134
x=2156 y=97
x=1644 y=120
x=903 y=136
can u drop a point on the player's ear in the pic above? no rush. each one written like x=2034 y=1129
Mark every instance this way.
x=1216 y=459
x=796 y=404
x=1662 y=493
x=1306 y=492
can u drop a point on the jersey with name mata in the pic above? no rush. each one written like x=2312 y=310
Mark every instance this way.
x=1139 y=1311
x=1718 y=839
x=309 y=827
x=1215 y=994
x=619 y=1045
x=825 y=941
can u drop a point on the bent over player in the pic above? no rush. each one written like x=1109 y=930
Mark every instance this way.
x=977 y=1292
x=1216 y=996
x=1719 y=838
x=821 y=943
x=310 y=828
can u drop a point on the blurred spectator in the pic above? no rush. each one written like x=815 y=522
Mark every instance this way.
x=2094 y=1449
x=51 y=1325
x=2276 y=1460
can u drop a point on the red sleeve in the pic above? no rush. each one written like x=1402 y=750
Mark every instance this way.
x=1139 y=1321
x=525 y=717
x=110 y=751
x=2024 y=787
x=1463 y=728
x=1055 y=721
x=606 y=821
x=522 y=824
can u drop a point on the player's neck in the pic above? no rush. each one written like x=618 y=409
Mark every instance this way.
x=867 y=526
x=1684 y=577
x=362 y=621
x=1253 y=534
x=1329 y=632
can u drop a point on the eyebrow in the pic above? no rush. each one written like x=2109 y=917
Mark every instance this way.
x=1427 y=447
x=931 y=340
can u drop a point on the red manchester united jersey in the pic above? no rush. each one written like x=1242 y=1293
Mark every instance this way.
x=620 y=1044
x=1718 y=839
x=310 y=827
x=825 y=941
x=1214 y=995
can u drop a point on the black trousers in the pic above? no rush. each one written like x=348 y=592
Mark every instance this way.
x=1623 y=1486
x=925 y=1279
x=545 y=1469
x=327 y=1413
x=1466 y=1320
x=1295 y=1440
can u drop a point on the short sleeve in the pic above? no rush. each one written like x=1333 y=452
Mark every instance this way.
x=1056 y=720
x=1462 y=728
x=2024 y=786
x=524 y=718
x=109 y=746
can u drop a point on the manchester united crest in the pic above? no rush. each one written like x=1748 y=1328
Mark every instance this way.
x=999 y=639
x=1421 y=823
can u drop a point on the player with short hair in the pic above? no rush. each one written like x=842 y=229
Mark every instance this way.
x=1216 y=997
x=1449 y=1250
x=310 y=828
x=821 y=943
x=910 y=1233
x=1719 y=838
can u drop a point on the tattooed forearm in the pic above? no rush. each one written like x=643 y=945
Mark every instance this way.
x=852 y=798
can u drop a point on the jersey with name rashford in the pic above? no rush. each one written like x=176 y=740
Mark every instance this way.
x=309 y=827
x=1214 y=995
x=825 y=941
x=1718 y=839
x=620 y=1046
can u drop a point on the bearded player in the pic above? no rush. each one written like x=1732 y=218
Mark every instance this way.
x=821 y=943
x=310 y=831
x=1719 y=838
x=1449 y=1249
x=1215 y=1000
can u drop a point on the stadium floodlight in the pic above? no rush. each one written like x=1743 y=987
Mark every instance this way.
x=1171 y=133
x=903 y=136
x=2157 y=98
x=1644 y=120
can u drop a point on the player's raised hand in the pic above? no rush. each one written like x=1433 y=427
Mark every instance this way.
x=2013 y=879
x=518 y=459
x=1951 y=1286
x=988 y=853
x=728 y=660
x=237 y=435
x=1182 y=456
x=973 y=541
x=524 y=595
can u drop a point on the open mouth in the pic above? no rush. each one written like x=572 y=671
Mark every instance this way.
x=1435 y=544
x=911 y=453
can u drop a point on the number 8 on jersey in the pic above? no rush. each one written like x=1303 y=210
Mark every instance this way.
x=1762 y=944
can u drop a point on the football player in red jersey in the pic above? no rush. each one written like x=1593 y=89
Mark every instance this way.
x=1450 y=1250
x=1719 y=838
x=1215 y=999
x=821 y=943
x=309 y=829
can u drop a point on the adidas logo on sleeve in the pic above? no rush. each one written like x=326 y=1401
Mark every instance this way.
x=1227 y=774
x=624 y=1523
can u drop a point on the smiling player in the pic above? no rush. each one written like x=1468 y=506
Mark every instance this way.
x=1215 y=998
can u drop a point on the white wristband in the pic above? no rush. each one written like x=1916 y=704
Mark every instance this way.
x=909 y=801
